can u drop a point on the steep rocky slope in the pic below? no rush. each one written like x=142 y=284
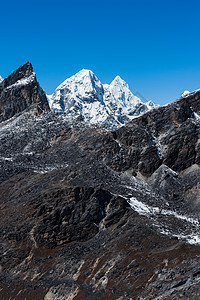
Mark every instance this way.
x=90 y=213
x=19 y=91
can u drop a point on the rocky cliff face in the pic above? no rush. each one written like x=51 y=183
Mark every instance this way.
x=168 y=135
x=90 y=213
x=19 y=91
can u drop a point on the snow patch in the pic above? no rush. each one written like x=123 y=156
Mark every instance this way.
x=7 y=158
x=157 y=144
x=186 y=93
x=141 y=208
x=146 y=210
x=151 y=212
x=22 y=82
x=46 y=169
x=196 y=117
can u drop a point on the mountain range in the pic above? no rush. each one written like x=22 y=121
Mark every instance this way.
x=106 y=105
x=97 y=205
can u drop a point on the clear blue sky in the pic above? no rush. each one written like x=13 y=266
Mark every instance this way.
x=153 y=45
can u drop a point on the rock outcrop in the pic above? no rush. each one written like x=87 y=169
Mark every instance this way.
x=19 y=91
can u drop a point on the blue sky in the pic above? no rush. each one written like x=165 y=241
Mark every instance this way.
x=153 y=45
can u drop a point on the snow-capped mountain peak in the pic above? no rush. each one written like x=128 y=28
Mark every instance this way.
x=119 y=81
x=81 y=82
x=1 y=79
x=76 y=92
x=120 y=93
x=110 y=105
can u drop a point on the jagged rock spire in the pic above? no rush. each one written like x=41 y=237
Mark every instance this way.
x=19 y=91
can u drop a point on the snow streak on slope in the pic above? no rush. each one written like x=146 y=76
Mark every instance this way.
x=189 y=232
x=22 y=82
x=1 y=79
x=107 y=105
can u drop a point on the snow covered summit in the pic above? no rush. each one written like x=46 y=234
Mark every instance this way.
x=110 y=105
x=185 y=93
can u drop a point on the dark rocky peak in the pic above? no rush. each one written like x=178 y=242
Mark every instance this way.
x=177 y=112
x=20 y=91
x=22 y=72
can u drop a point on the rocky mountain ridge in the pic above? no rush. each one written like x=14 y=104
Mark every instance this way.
x=92 y=213
x=19 y=91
